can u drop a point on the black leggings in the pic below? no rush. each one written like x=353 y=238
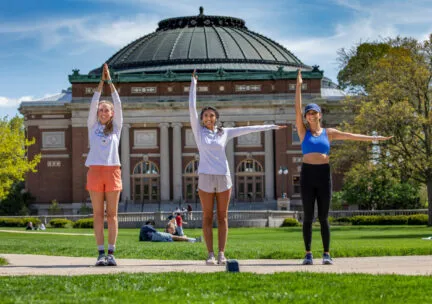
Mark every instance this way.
x=315 y=181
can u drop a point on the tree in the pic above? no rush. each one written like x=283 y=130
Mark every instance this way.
x=17 y=202
x=14 y=163
x=372 y=186
x=395 y=99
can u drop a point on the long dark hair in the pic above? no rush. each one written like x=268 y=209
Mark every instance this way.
x=218 y=125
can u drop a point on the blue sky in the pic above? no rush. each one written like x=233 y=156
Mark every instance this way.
x=42 y=41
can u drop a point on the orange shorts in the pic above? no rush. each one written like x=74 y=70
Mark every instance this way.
x=104 y=179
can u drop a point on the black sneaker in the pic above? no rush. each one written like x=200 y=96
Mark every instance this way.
x=111 y=260
x=101 y=260
x=327 y=260
x=308 y=260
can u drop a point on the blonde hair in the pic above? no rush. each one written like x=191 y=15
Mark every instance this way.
x=109 y=125
x=169 y=225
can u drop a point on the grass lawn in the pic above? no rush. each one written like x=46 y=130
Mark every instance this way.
x=243 y=243
x=218 y=288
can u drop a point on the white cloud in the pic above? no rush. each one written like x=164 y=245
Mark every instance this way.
x=77 y=32
x=6 y=102
x=371 y=22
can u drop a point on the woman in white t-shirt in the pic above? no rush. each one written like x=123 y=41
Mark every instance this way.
x=104 y=176
x=214 y=176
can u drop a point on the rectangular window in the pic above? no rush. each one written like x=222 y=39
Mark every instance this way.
x=297 y=160
x=295 y=136
x=203 y=89
x=296 y=184
x=248 y=88
x=90 y=90
x=143 y=90
x=292 y=86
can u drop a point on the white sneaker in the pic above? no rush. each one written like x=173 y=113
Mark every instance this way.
x=211 y=259
x=221 y=259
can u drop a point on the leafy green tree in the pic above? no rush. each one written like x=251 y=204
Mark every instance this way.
x=14 y=163
x=394 y=82
x=17 y=202
x=375 y=187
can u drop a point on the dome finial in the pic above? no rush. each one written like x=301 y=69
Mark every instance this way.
x=201 y=10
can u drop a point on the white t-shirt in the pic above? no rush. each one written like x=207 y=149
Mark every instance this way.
x=104 y=148
x=211 y=144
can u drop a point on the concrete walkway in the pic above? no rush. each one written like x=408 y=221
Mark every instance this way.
x=24 y=264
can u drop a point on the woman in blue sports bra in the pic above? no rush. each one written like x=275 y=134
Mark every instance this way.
x=315 y=178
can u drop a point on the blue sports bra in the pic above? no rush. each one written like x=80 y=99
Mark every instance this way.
x=316 y=144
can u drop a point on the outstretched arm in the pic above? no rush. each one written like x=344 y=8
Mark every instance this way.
x=192 y=106
x=339 y=135
x=118 y=113
x=239 y=131
x=301 y=130
x=92 y=118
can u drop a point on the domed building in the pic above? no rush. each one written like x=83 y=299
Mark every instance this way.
x=250 y=79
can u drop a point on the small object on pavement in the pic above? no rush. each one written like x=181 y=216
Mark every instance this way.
x=232 y=266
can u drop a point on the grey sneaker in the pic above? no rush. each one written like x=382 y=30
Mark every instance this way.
x=221 y=259
x=327 y=260
x=111 y=260
x=308 y=260
x=211 y=259
x=101 y=260
x=198 y=239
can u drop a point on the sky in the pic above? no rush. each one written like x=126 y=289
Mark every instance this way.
x=42 y=41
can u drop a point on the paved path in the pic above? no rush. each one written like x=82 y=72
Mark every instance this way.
x=23 y=264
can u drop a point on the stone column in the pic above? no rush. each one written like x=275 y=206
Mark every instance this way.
x=177 y=162
x=164 y=162
x=269 y=163
x=125 y=162
x=229 y=150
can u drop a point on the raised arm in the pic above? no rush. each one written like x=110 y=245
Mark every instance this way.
x=92 y=118
x=301 y=130
x=192 y=106
x=118 y=112
x=334 y=134
x=239 y=131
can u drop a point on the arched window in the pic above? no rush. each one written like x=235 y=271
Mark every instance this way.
x=145 y=182
x=190 y=182
x=250 y=181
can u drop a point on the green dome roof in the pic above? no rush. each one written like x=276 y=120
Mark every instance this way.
x=205 y=43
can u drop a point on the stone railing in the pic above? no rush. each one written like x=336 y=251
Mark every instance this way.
x=237 y=218
x=243 y=218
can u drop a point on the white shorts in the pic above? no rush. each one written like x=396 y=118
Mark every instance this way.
x=214 y=183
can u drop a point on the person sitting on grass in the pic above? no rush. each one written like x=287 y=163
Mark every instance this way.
x=29 y=226
x=149 y=234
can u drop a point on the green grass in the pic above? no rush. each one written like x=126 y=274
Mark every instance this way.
x=218 y=288
x=243 y=243
x=3 y=261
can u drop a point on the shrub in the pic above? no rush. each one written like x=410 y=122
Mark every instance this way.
x=379 y=220
x=83 y=223
x=344 y=220
x=36 y=221
x=290 y=222
x=418 y=219
x=11 y=222
x=59 y=223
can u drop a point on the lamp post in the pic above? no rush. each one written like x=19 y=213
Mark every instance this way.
x=284 y=172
